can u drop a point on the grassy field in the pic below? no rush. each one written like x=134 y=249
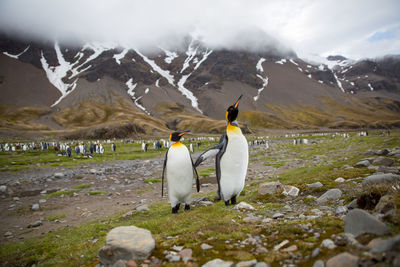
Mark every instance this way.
x=23 y=160
x=218 y=225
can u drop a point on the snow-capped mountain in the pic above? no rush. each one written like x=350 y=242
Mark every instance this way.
x=194 y=80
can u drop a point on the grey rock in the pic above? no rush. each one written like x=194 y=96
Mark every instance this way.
x=394 y=152
x=278 y=215
x=381 y=179
x=8 y=234
x=173 y=258
x=143 y=208
x=363 y=163
x=385 y=169
x=358 y=222
x=3 y=188
x=315 y=185
x=41 y=201
x=205 y=246
x=341 y=210
x=206 y=203
x=382 y=161
x=243 y=205
x=126 y=242
x=340 y=180
x=352 y=205
x=319 y=263
x=218 y=263
x=35 y=224
x=252 y=219
x=119 y=263
x=315 y=252
x=385 y=204
x=382 y=152
x=270 y=188
x=35 y=207
x=262 y=264
x=369 y=153
x=58 y=175
x=328 y=243
x=249 y=263
x=386 y=245
x=291 y=191
x=186 y=254
x=330 y=195
x=344 y=259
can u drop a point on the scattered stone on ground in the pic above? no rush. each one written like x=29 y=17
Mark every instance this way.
x=344 y=259
x=315 y=185
x=383 y=161
x=281 y=245
x=381 y=179
x=289 y=190
x=205 y=246
x=319 y=263
x=358 y=222
x=243 y=206
x=270 y=188
x=126 y=242
x=330 y=195
x=144 y=207
x=328 y=243
x=340 y=180
x=383 y=245
x=218 y=263
x=363 y=163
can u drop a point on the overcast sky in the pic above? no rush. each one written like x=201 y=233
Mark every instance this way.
x=353 y=28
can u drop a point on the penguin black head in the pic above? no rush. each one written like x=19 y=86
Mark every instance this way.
x=233 y=111
x=176 y=136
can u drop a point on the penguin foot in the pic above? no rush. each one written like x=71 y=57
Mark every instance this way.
x=233 y=200
x=217 y=197
x=175 y=209
x=187 y=207
x=227 y=203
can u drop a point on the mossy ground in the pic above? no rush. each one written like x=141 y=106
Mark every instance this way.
x=221 y=226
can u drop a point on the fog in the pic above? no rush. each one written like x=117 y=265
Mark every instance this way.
x=352 y=28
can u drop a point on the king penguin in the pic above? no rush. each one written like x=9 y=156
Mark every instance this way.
x=232 y=158
x=179 y=169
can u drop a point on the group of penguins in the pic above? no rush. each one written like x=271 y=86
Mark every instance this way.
x=231 y=161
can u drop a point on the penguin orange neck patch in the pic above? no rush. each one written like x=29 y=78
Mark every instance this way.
x=177 y=144
x=233 y=129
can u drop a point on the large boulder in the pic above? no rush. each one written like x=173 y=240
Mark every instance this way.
x=270 y=188
x=358 y=222
x=330 y=195
x=383 y=161
x=381 y=179
x=344 y=259
x=126 y=242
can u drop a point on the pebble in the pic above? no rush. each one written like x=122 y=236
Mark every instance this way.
x=341 y=210
x=319 y=263
x=278 y=215
x=340 y=180
x=35 y=207
x=8 y=234
x=143 y=208
x=218 y=263
x=291 y=248
x=41 y=201
x=315 y=185
x=35 y=224
x=315 y=252
x=3 y=188
x=328 y=243
x=243 y=205
x=186 y=254
x=173 y=258
x=344 y=259
x=262 y=264
x=280 y=245
x=205 y=246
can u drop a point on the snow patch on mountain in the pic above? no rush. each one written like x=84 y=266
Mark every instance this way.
x=265 y=83
x=131 y=92
x=293 y=62
x=170 y=55
x=16 y=56
x=120 y=56
x=187 y=93
x=370 y=87
x=282 y=61
x=338 y=82
x=158 y=83
x=259 y=66
x=156 y=68
x=191 y=53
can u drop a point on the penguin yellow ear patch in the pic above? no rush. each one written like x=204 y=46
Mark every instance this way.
x=170 y=136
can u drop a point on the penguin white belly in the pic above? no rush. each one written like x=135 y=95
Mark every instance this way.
x=179 y=173
x=233 y=166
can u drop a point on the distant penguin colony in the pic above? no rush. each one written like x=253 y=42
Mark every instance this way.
x=232 y=157
x=179 y=169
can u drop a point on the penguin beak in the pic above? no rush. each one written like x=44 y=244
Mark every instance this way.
x=184 y=132
x=237 y=102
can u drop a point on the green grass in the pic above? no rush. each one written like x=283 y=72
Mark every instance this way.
x=22 y=160
x=206 y=172
x=73 y=246
x=82 y=186
x=59 y=193
x=56 y=217
x=152 y=180
x=97 y=192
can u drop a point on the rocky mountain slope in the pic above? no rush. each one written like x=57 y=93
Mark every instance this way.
x=54 y=87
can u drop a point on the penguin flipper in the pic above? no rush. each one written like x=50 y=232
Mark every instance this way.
x=163 y=172
x=197 y=176
x=212 y=151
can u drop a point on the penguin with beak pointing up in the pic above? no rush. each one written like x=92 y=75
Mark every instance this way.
x=179 y=169
x=232 y=158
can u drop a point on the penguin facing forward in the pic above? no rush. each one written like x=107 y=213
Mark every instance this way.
x=232 y=158
x=179 y=169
